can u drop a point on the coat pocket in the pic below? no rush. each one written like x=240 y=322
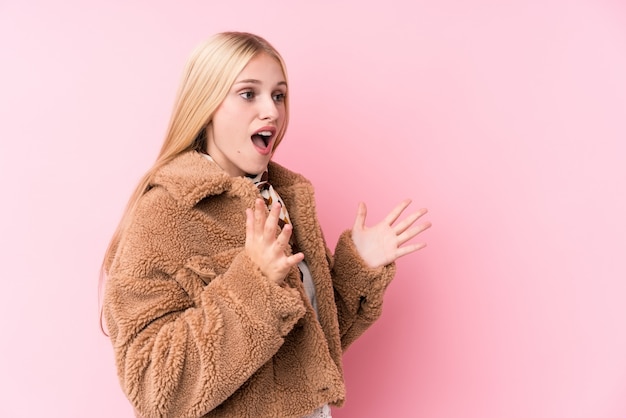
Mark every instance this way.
x=202 y=266
x=195 y=274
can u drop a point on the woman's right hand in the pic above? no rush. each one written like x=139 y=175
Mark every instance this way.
x=264 y=248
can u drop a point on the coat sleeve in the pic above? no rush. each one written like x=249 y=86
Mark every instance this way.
x=178 y=355
x=359 y=289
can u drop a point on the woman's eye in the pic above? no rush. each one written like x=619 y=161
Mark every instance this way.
x=279 y=97
x=248 y=95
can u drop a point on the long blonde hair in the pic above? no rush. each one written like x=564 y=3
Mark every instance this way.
x=209 y=74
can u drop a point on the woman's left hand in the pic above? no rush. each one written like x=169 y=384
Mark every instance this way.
x=382 y=243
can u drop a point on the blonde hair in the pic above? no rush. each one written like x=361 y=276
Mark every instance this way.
x=209 y=74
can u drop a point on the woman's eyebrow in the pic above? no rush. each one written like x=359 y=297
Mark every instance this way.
x=255 y=81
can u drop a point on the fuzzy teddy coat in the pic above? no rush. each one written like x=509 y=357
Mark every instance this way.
x=198 y=331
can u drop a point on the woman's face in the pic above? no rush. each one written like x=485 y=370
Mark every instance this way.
x=243 y=131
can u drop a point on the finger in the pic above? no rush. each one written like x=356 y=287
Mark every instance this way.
x=408 y=249
x=397 y=211
x=259 y=215
x=412 y=232
x=289 y=261
x=361 y=213
x=408 y=221
x=271 y=223
x=285 y=262
x=294 y=259
x=284 y=236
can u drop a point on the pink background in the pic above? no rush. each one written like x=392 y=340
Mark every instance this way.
x=507 y=119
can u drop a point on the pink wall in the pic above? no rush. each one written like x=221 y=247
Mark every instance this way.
x=506 y=119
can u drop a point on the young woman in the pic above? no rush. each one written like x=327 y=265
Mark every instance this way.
x=222 y=298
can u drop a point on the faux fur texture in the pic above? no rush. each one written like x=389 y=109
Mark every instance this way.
x=196 y=328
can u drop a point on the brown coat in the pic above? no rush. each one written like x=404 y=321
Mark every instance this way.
x=196 y=328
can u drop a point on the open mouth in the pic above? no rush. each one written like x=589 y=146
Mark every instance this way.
x=262 y=139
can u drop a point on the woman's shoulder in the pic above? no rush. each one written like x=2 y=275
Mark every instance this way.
x=190 y=177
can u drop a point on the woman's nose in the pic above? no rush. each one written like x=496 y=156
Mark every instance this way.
x=268 y=109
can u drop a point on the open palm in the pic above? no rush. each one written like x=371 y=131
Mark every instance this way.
x=382 y=243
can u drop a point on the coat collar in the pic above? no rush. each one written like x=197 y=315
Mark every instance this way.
x=190 y=177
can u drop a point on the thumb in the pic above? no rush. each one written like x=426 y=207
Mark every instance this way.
x=361 y=213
